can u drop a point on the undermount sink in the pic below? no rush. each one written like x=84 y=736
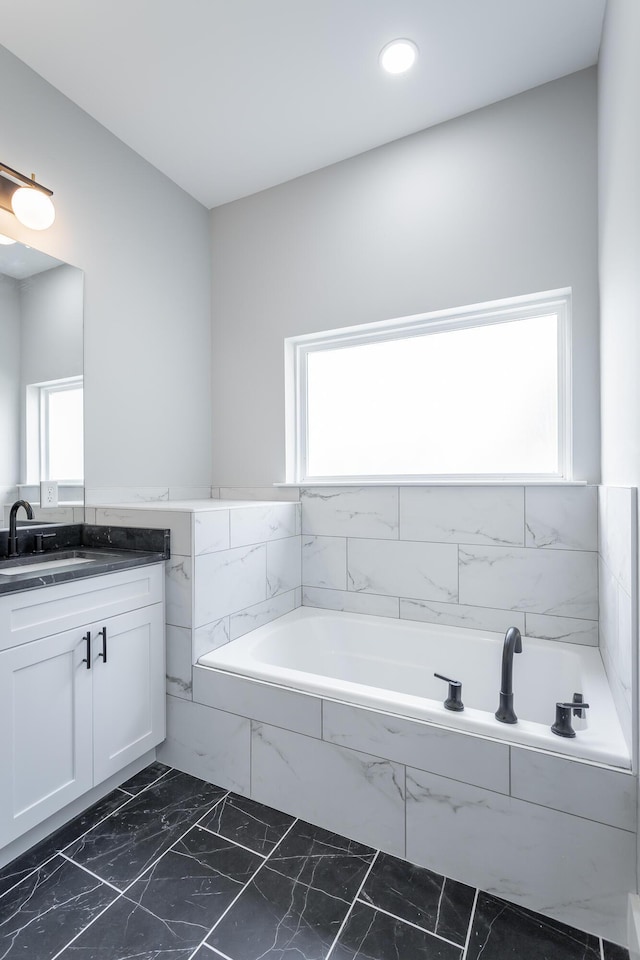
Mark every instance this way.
x=42 y=565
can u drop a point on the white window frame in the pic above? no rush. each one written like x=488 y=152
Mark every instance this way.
x=37 y=416
x=298 y=348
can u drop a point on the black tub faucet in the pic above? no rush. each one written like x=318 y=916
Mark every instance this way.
x=12 y=544
x=512 y=644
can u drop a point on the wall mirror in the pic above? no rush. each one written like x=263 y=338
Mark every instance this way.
x=41 y=381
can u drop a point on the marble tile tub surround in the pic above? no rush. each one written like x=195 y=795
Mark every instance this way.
x=617 y=547
x=167 y=865
x=485 y=557
x=555 y=835
x=235 y=565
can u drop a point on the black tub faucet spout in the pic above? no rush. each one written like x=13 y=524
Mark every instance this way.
x=512 y=644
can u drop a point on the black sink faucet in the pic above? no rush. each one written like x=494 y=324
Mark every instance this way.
x=512 y=644
x=12 y=545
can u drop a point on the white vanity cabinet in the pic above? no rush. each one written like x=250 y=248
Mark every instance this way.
x=67 y=724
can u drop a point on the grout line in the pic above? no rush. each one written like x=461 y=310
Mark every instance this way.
x=169 y=849
x=218 y=953
x=353 y=902
x=198 y=822
x=122 y=893
x=409 y=923
x=601 y=949
x=405 y=809
x=97 y=917
x=58 y=853
x=346 y=559
x=251 y=724
x=465 y=949
x=91 y=873
x=153 y=782
x=235 y=843
x=127 y=793
x=239 y=894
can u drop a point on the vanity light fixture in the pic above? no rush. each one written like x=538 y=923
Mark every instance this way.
x=29 y=201
x=398 y=56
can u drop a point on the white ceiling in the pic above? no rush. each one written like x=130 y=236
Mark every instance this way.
x=228 y=97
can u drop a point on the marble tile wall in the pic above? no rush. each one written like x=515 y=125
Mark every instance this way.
x=63 y=513
x=484 y=557
x=549 y=833
x=105 y=496
x=231 y=570
x=617 y=549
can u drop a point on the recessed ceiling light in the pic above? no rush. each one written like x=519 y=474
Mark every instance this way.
x=5 y=241
x=398 y=56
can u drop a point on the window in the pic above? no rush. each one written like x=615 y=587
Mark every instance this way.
x=55 y=431
x=480 y=392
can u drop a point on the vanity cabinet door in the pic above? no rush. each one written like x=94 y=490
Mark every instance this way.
x=129 y=689
x=45 y=729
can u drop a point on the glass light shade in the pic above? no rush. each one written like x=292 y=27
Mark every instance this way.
x=398 y=56
x=33 y=208
x=5 y=241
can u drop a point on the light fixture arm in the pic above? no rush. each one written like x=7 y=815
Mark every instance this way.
x=29 y=181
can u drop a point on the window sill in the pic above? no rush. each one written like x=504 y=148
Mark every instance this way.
x=497 y=482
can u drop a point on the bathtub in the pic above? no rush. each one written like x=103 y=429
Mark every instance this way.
x=388 y=665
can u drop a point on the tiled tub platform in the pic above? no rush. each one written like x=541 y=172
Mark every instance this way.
x=547 y=833
x=171 y=866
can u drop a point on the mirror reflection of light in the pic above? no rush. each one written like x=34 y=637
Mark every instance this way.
x=5 y=241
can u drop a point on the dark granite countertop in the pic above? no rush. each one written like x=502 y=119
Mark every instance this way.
x=79 y=551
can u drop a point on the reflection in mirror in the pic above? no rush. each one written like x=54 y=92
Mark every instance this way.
x=41 y=381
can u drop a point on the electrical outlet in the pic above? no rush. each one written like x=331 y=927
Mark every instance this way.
x=48 y=493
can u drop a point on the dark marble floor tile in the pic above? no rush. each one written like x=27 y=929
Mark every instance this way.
x=139 y=781
x=503 y=931
x=122 y=847
x=58 y=840
x=323 y=860
x=126 y=931
x=247 y=822
x=613 y=952
x=191 y=885
x=372 y=935
x=279 y=919
x=45 y=911
x=412 y=893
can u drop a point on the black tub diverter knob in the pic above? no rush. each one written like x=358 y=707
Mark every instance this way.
x=564 y=711
x=454 y=699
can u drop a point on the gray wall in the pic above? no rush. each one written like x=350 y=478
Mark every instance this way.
x=51 y=325
x=9 y=382
x=619 y=238
x=144 y=247
x=497 y=203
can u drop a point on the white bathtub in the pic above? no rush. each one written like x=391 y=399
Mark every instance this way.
x=389 y=664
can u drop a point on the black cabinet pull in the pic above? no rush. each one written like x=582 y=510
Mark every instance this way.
x=87 y=659
x=103 y=633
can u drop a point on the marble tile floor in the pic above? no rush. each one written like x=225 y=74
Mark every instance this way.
x=168 y=867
